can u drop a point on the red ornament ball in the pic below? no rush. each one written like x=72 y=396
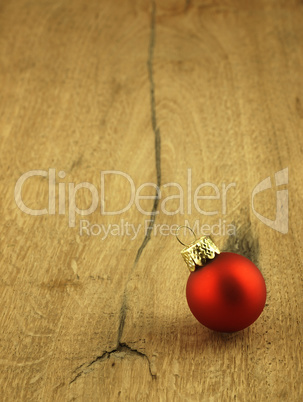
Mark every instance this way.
x=228 y=294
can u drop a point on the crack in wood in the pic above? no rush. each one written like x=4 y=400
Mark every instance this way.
x=121 y=346
x=122 y=316
x=245 y=243
x=187 y=5
x=157 y=134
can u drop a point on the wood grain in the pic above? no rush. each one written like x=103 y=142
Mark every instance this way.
x=154 y=90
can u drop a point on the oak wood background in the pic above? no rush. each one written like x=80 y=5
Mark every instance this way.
x=151 y=89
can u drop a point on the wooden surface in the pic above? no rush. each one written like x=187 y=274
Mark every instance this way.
x=151 y=90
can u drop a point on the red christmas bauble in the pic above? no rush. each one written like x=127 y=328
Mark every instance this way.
x=228 y=294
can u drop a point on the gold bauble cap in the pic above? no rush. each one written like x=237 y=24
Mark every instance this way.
x=199 y=252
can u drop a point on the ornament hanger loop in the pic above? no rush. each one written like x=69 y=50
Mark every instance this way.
x=178 y=231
